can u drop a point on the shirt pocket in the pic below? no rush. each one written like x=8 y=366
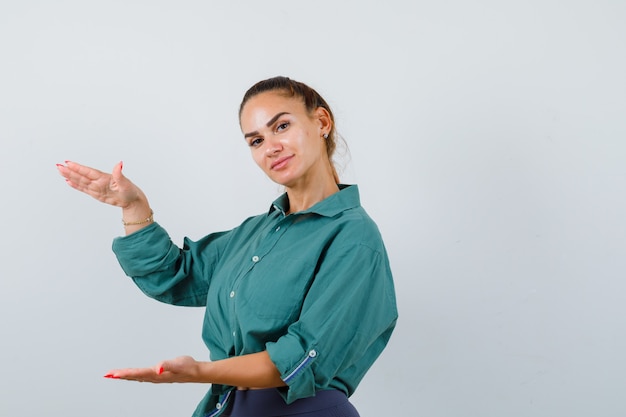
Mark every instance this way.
x=277 y=291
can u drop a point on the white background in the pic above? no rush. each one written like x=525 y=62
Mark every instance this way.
x=487 y=137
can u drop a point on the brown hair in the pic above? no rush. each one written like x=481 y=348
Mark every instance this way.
x=311 y=99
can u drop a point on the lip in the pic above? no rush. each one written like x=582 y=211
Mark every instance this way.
x=280 y=162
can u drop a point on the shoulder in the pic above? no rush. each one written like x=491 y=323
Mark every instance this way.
x=355 y=227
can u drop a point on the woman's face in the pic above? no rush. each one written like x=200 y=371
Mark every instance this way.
x=285 y=139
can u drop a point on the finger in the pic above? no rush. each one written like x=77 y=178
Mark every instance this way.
x=85 y=179
x=75 y=174
x=84 y=171
x=135 y=374
x=66 y=172
x=160 y=368
x=62 y=170
x=117 y=175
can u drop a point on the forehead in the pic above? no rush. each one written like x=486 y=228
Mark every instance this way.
x=262 y=107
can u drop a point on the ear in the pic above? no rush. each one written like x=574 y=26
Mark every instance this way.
x=324 y=120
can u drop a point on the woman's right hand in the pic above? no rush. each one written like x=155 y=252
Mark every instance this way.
x=114 y=189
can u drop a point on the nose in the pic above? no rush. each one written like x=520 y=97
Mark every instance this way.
x=274 y=147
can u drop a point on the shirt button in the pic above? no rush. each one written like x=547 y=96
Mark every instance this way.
x=313 y=353
x=218 y=406
x=278 y=228
x=255 y=258
x=232 y=294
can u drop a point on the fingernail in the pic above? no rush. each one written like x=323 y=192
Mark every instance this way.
x=121 y=165
x=60 y=165
x=160 y=370
x=108 y=376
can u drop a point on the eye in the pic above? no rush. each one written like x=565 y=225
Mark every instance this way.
x=255 y=142
x=282 y=126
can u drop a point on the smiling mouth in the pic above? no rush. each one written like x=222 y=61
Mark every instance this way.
x=280 y=163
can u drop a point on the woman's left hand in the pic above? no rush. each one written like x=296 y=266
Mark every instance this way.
x=181 y=369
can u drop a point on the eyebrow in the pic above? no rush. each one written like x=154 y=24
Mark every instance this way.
x=268 y=124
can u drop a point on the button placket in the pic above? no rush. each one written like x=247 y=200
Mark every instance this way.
x=271 y=239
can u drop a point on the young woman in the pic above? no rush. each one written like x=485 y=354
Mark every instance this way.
x=299 y=300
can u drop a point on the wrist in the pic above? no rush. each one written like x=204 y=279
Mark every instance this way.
x=136 y=216
x=203 y=370
x=144 y=221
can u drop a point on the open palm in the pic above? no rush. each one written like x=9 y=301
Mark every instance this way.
x=114 y=189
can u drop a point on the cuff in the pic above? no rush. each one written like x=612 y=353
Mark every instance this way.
x=295 y=366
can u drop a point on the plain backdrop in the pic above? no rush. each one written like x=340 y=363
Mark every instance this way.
x=488 y=139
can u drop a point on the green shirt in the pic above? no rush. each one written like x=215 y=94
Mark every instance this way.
x=312 y=288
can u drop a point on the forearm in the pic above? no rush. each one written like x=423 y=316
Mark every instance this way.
x=250 y=371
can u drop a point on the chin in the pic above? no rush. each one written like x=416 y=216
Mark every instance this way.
x=284 y=180
x=285 y=184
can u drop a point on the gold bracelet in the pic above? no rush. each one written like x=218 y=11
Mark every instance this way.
x=150 y=219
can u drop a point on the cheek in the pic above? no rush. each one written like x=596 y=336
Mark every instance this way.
x=313 y=145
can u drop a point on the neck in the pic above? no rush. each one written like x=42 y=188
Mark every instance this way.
x=302 y=198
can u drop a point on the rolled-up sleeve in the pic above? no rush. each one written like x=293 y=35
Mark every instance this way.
x=166 y=272
x=347 y=318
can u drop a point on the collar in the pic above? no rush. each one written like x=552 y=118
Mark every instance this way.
x=346 y=198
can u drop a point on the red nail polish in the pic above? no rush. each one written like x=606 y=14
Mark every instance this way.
x=108 y=376
x=60 y=165
x=160 y=370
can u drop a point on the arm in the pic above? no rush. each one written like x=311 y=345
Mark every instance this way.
x=114 y=189
x=158 y=267
x=253 y=370
x=347 y=318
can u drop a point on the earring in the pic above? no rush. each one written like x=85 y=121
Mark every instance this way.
x=325 y=135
